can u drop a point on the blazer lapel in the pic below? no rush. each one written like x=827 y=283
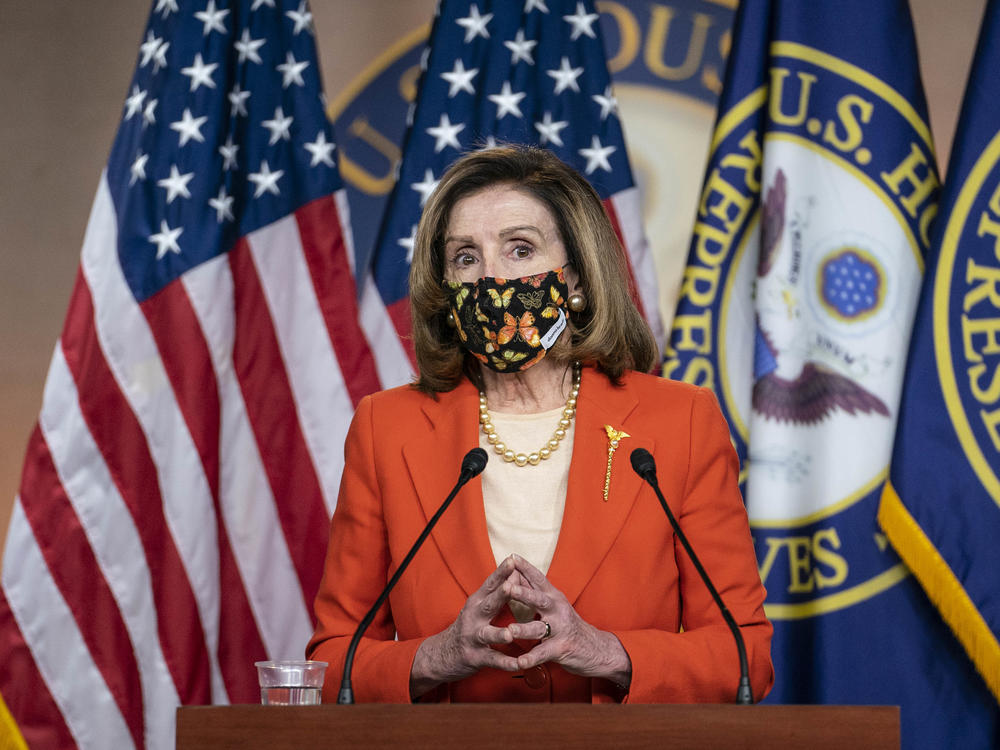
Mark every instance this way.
x=591 y=524
x=434 y=461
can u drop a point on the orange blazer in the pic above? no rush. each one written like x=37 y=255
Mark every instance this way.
x=617 y=562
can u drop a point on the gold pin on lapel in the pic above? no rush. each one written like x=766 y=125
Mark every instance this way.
x=614 y=439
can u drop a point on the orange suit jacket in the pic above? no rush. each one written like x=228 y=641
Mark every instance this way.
x=617 y=562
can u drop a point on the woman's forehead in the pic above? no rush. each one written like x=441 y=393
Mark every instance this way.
x=499 y=209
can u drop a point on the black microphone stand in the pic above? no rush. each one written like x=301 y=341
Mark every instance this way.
x=644 y=465
x=472 y=465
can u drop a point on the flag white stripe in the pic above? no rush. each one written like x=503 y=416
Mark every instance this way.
x=322 y=403
x=58 y=648
x=390 y=358
x=113 y=537
x=131 y=353
x=391 y=363
x=344 y=214
x=628 y=207
x=248 y=507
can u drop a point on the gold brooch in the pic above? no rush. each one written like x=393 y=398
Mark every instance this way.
x=614 y=438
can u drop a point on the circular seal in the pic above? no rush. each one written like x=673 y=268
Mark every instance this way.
x=807 y=265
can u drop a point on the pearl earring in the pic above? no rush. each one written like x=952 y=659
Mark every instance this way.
x=577 y=302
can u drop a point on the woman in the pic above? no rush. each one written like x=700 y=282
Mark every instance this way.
x=555 y=575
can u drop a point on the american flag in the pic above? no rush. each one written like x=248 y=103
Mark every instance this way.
x=172 y=518
x=499 y=71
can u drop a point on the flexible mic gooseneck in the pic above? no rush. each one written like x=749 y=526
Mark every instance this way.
x=472 y=466
x=644 y=465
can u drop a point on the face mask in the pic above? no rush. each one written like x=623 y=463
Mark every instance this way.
x=510 y=324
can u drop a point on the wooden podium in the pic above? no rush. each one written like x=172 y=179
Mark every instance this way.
x=482 y=726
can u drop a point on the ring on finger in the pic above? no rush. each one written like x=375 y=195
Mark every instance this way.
x=548 y=630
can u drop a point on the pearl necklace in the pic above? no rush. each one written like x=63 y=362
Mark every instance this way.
x=521 y=459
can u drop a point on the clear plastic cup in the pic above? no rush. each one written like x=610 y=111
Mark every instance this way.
x=290 y=683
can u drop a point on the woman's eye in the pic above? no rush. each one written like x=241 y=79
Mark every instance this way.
x=522 y=251
x=465 y=259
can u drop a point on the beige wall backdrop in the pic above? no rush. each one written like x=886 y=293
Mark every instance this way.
x=65 y=71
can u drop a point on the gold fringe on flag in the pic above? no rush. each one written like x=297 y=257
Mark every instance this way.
x=942 y=587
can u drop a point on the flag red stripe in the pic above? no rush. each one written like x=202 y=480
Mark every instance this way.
x=326 y=255
x=633 y=287
x=76 y=572
x=25 y=692
x=120 y=439
x=270 y=407
x=188 y=363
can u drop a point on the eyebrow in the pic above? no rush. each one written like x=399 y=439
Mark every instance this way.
x=504 y=233
x=514 y=230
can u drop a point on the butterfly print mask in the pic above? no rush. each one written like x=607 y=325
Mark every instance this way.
x=509 y=324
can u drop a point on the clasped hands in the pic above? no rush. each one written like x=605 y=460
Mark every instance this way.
x=466 y=646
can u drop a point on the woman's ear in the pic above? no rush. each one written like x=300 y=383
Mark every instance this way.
x=572 y=278
x=576 y=301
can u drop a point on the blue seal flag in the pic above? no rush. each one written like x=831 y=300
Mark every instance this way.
x=796 y=305
x=941 y=508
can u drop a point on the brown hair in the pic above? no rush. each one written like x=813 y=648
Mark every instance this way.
x=609 y=334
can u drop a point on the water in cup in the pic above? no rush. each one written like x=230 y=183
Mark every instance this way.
x=282 y=695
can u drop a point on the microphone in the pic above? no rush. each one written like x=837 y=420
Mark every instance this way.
x=644 y=465
x=472 y=466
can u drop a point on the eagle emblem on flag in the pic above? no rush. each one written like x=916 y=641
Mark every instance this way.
x=851 y=286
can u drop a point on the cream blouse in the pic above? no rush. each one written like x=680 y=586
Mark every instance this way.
x=524 y=504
